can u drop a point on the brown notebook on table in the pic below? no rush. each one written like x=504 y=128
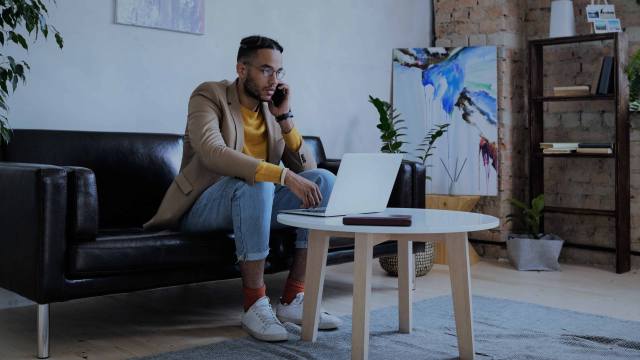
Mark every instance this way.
x=377 y=220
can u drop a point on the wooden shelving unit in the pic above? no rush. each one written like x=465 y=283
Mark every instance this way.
x=620 y=155
x=574 y=98
x=574 y=155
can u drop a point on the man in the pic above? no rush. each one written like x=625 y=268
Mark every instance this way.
x=230 y=179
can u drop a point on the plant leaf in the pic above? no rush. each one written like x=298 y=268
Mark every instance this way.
x=537 y=204
x=59 y=40
x=519 y=204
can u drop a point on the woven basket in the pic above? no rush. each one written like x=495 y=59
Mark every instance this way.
x=423 y=261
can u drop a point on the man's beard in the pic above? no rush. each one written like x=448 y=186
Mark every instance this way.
x=251 y=89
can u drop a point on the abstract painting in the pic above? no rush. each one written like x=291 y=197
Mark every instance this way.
x=177 y=15
x=455 y=86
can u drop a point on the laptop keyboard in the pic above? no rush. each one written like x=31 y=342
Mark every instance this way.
x=316 y=210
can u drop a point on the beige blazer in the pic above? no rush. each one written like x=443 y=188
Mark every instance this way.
x=213 y=143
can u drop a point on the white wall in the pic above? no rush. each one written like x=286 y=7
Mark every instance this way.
x=112 y=77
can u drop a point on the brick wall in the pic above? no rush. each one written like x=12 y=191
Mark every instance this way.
x=499 y=23
x=508 y=24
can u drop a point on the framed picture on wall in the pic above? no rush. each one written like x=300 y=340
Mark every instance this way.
x=600 y=26
x=174 y=15
x=600 y=12
x=607 y=25
x=459 y=87
x=613 y=25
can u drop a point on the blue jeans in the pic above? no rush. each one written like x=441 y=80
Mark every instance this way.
x=250 y=211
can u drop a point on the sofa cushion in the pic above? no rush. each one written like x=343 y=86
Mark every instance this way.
x=125 y=251
x=134 y=250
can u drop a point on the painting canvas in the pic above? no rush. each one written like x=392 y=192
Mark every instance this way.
x=455 y=86
x=176 y=15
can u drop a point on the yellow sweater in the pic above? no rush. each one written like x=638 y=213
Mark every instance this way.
x=255 y=144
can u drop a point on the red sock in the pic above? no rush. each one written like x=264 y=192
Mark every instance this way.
x=252 y=295
x=291 y=289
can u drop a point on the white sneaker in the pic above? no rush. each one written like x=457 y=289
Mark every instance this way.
x=293 y=313
x=261 y=323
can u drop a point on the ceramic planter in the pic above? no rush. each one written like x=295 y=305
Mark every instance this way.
x=526 y=253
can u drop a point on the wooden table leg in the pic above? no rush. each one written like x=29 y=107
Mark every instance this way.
x=318 y=246
x=459 y=272
x=363 y=260
x=405 y=265
x=448 y=202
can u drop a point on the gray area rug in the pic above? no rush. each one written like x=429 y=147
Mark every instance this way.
x=503 y=330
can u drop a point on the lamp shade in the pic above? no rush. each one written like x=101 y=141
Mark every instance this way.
x=562 y=20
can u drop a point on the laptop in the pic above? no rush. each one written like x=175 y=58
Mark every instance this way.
x=363 y=185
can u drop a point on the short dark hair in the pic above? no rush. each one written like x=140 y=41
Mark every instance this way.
x=251 y=44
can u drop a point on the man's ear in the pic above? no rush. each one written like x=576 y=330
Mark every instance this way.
x=241 y=69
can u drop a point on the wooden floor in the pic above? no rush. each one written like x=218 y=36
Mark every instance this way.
x=149 y=322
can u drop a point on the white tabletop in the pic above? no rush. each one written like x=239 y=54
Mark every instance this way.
x=423 y=221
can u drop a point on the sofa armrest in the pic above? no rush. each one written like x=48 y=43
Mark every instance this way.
x=33 y=228
x=331 y=165
x=82 y=204
x=409 y=188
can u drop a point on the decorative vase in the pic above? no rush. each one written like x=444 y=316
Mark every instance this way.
x=562 y=22
x=452 y=188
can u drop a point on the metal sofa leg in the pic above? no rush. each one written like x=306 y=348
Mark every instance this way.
x=43 y=331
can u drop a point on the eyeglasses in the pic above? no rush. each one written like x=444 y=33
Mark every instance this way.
x=269 y=71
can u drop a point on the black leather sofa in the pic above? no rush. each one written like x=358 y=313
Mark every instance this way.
x=72 y=205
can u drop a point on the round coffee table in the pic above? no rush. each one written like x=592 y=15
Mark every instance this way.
x=427 y=225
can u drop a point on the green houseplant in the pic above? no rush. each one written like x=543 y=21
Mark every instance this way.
x=532 y=250
x=428 y=144
x=633 y=73
x=19 y=20
x=529 y=217
x=391 y=126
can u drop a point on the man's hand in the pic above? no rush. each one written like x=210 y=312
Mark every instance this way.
x=307 y=191
x=284 y=106
x=285 y=125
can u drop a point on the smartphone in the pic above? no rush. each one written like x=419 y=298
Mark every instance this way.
x=278 y=96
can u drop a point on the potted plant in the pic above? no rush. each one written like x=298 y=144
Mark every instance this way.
x=532 y=250
x=390 y=126
x=19 y=20
x=633 y=73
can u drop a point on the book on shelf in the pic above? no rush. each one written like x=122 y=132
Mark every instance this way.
x=559 y=145
x=574 y=146
x=605 y=82
x=574 y=90
x=596 y=145
x=596 y=78
x=558 y=151
x=594 y=151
